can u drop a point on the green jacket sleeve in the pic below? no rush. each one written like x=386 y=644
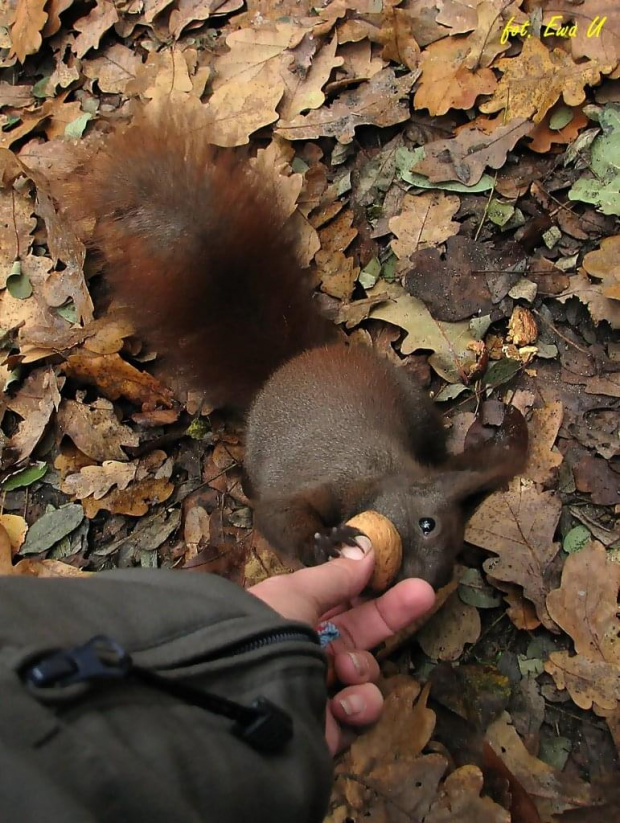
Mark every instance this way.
x=147 y=740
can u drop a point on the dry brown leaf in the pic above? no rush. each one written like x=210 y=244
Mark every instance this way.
x=192 y=11
x=485 y=42
x=114 y=70
x=54 y=9
x=591 y=293
x=454 y=348
x=518 y=526
x=257 y=53
x=604 y=264
x=551 y=791
x=466 y=156
x=382 y=101
x=115 y=378
x=15 y=527
x=592 y=38
x=403 y=730
x=444 y=637
x=95 y=429
x=17 y=97
x=34 y=402
x=98 y=480
x=446 y=82
x=134 y=501
x=302 y=92
x=534 y=81
x=425 y=220
x=398 y=38
x=542 y=138
x=520 y=611
x=29 y=20
x=238 y=109
x=94 y=26
x=459 y=800
x=543 y=430
x=586 y=608
x=16 y=226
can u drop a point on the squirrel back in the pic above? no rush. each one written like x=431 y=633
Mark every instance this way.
x=196 y=247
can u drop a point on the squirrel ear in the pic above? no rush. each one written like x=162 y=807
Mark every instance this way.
x=491 y=458
x=462 y=483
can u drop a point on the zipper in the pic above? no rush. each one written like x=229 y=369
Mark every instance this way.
x=267 y=639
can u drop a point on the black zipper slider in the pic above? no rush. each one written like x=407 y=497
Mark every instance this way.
x=268 y=730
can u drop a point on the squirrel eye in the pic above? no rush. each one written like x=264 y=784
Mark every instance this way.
x=427 y=525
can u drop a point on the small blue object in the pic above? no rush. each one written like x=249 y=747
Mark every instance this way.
x=327 y=633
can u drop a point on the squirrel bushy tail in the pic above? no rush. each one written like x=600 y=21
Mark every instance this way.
x=195 y=245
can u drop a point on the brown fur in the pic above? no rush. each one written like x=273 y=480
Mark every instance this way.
x=194 y=245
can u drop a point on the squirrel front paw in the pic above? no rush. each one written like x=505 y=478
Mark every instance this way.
x=328 y=543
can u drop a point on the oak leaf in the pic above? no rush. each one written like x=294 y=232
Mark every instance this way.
x=425 y=220
x=94 y=26
x=445 y=636
x=446 y=82
x=518 y=526
x=543 y=430
x=593 y=39
x=382 y=101
x=466 y=156
x=95 y=429
x=586 y=608
x=534 y=81
x=29 y=20
x=453 y=345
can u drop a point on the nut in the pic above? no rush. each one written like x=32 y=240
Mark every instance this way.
x=387 y=545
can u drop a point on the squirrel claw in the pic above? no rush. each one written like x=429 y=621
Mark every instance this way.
x=327 y=544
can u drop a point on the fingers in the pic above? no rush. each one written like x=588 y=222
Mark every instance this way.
x=372 y=622
x=356 y=667
x=309 y=593
x=353 y=707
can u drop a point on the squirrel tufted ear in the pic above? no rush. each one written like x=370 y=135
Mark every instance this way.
x=490 y=462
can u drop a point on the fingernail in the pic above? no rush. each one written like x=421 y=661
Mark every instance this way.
x=353 y=552
x=358 y=664
x=364 y=543
x=352 y=704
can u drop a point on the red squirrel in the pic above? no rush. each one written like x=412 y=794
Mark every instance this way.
x=193 y=241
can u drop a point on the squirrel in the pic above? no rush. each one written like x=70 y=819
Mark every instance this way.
x=193 y=241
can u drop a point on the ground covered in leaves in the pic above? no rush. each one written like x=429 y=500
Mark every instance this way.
x=454 y=170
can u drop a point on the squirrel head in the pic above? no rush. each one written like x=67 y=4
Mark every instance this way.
x=430 y=511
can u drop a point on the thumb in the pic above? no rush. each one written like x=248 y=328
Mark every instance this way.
x=309 y=593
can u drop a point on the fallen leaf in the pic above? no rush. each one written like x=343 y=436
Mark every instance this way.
x=29 y=20
x=543 y=429
x=466 y=156
x=453 y=345
x=116 y=67
x=134 y=501
x=381 y=101
x=34 y=402
x=586 y=608
x=445 y=636
x=446 y=82
x=602 y=186
x=597 y=34
x=115 y=378
x=92 y=27
x=16 y=528
x=425 y=220
x=595 y=476
x=98 y=480
x=591 y=293
x=51 y=528
x=460 y=800
x=533 y=82
x=603 y=264
x=542 y=137
x=552 y=791
x=304 y=92
x=95 y=429
x=518 y=526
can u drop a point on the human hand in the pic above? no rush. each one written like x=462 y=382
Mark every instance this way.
x=325 y=592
